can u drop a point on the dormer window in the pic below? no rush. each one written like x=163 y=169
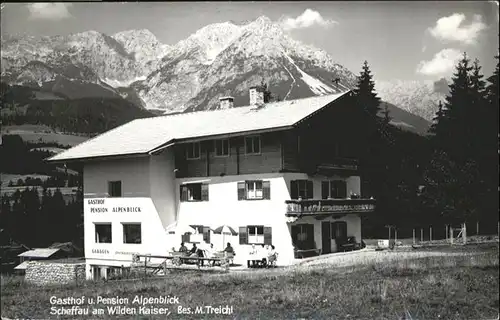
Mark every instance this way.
x=193 y=151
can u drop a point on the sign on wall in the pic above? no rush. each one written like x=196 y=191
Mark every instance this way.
x=101 y=206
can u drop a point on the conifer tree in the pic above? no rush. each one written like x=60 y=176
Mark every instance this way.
x=457 y=106
x=365 y=92
x=437 y=121
x=459 y=177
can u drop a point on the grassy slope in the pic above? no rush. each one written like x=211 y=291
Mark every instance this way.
x=463 y=287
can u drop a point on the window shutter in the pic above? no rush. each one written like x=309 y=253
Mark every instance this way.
x=294 y=192
x=206 y=234
x=268 y=235
x=243 y=235
x=184 y=193
x=204 y=192
x=241 y=190
x=185 y=237
x=310 y=190
x=266 y=189
x=324 y=189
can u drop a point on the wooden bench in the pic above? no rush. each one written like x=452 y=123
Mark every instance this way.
x=178 y=258
x=300 y=253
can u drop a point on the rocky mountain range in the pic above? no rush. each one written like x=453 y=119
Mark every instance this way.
x=418 y=97
x=217 y=60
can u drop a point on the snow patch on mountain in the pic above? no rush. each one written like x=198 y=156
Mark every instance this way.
x=126 y=83
x=317 y=87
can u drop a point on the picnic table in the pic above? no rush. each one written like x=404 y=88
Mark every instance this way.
x=222 y=259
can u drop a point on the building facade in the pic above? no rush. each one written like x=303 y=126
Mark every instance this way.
x=282 y=173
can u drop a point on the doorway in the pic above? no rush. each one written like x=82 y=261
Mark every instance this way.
x=326 y=240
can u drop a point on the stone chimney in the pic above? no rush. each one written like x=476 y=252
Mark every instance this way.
x=256 y=96
x=226 y=103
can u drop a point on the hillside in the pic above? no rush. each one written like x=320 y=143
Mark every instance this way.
x=87 y=115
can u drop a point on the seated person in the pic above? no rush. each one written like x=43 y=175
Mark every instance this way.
x=229 y=249
x=194 y=251
x=252 y=256
x=209 y=251
x=271 y=255
x=183 y=248
x=229 y=252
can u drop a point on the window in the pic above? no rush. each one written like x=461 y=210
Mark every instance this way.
x=96 y=273
x=339 y=230
x=303 y=236
x=335 y=189
x=103 y=233
x=254 y=190
x=255 y=235
x=222 y=148
x=193 y=150
x=132 y=233
x=194 y=192
x=115 y=188
x=302 y=189
x=252 y=145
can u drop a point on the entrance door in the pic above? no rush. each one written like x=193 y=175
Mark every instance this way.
x=325 y=237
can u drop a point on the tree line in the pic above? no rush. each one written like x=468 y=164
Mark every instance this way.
x=39 y=221
x=58 y=181
x=448 y=177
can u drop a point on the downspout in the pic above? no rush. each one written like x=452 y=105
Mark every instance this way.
x=237 y=158
x=208 y=161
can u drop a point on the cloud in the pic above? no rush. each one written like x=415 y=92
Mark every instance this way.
x=452 y=28
x=307 y=19
x=424 y=48
x=441 y=64
x=49 y=11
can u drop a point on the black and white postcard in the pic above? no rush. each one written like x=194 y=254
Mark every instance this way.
x=249 y=160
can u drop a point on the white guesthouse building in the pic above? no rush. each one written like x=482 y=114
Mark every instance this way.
x=282 y=173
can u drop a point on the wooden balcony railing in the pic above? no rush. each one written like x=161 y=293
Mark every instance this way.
x=335 y=164
x=325 y=206
x=339 y=164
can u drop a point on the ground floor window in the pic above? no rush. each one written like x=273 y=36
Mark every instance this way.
x=103 y=232
x=108 y=272
x=132 y=233
x=303 y=236
x=255 y=235
x=339 y=230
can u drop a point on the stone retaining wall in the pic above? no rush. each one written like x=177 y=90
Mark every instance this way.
x=54 y=273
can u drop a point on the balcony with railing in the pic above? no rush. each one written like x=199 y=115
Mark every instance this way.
x=334 y=165
x=312 y=207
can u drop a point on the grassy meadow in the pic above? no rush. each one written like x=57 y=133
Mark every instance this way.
x=460 y=283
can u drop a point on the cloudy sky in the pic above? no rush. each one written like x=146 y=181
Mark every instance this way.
x=400 y=40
